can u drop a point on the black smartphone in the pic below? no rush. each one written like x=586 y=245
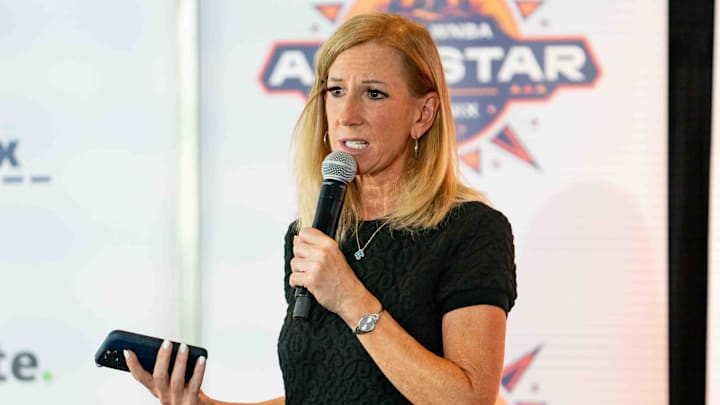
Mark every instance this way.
x=110 y=353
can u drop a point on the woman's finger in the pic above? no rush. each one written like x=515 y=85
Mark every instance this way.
x=310 y=235
x=162 y=363
x=177 y=379
x=297 y=279
x=137 y=371
x=197 y=377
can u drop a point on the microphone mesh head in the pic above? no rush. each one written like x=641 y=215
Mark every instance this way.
x=339 y=166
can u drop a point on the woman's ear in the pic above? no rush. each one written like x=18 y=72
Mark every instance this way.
x=428 y=106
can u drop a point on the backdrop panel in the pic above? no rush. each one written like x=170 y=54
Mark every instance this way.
x=88 y=173
x=561 y=112
x=713 y=336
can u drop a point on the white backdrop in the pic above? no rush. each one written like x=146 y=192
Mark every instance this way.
x=583 y=181
x=88 y=194
x=88 y=96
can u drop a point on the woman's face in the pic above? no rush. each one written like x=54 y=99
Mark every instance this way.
x=371 y=113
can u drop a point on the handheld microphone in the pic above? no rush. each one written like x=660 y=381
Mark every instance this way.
x=338 y=169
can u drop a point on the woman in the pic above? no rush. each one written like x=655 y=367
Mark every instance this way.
x=413 y=293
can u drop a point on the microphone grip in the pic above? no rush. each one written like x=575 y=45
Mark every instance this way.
x=303 y=302
x=327 y=214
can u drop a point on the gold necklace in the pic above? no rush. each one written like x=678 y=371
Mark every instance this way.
x=360 y=253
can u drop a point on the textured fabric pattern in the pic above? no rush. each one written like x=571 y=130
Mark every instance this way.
x=467 y=260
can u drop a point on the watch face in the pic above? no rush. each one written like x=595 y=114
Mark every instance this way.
x=367 y=323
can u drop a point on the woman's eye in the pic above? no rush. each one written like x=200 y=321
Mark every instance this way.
x=376 y=94
x=334 y=91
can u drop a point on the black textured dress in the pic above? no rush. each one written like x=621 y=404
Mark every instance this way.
x=467 y=260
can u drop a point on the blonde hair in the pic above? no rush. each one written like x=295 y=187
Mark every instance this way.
x=431 y=186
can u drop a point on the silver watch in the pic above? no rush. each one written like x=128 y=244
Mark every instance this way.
x=367 y=323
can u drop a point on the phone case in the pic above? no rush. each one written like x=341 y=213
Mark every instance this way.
x=110 y=353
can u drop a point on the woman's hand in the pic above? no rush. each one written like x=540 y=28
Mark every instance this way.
x=170 y=390
x=319 y=265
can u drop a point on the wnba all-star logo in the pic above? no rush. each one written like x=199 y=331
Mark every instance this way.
x=488 y=64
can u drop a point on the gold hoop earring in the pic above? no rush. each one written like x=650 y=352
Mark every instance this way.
x=416 y=148
x=325 y=137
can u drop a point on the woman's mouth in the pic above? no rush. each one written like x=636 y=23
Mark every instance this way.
x=357 y=145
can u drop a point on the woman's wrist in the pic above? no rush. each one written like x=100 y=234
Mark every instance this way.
x=365 y=305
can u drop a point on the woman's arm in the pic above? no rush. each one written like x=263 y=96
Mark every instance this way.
x=470 y=372
x=205 y=400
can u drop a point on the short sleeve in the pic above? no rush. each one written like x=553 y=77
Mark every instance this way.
x=481 y=260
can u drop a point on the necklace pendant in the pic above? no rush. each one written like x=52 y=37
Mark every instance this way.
x=359 y=254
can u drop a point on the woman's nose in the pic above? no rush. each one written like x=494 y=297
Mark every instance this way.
x=350 y=111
